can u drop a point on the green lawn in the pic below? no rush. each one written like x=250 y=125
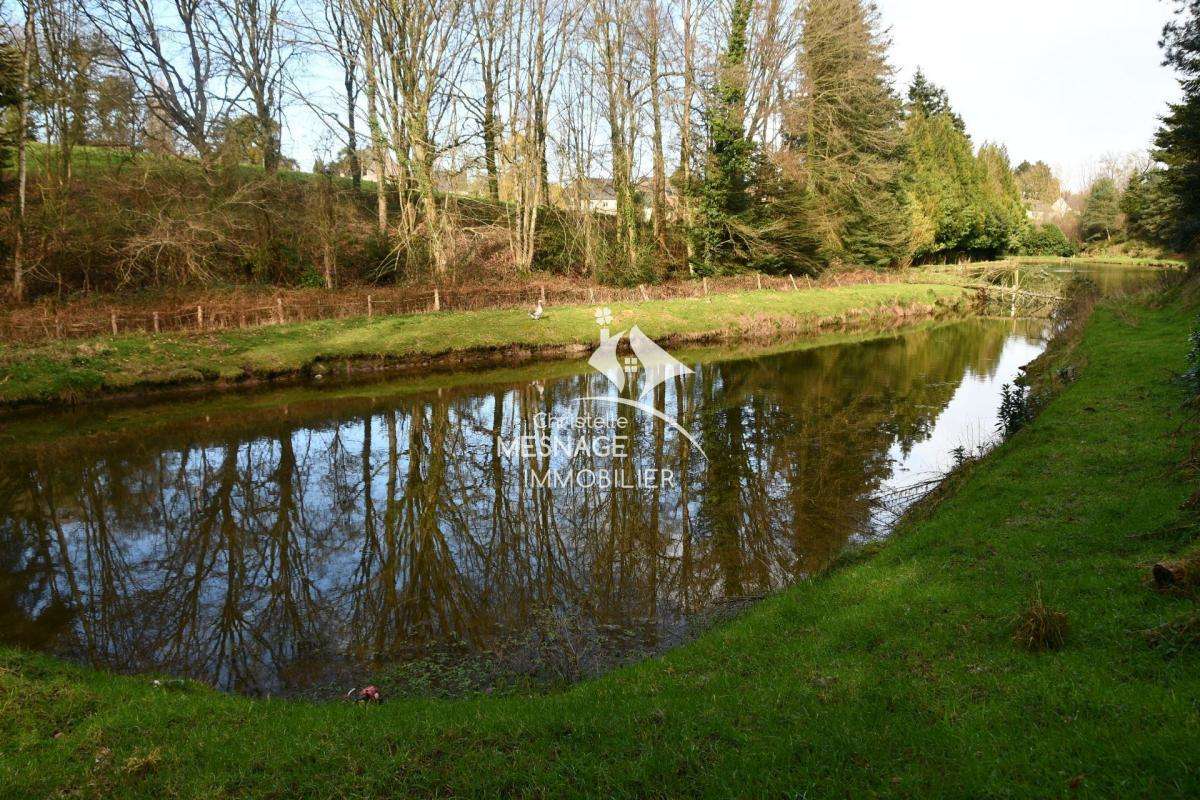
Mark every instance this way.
x=894 y=675
x=76 y=370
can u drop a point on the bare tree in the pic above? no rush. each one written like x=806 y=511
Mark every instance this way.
x=337 y=35
x=612 y=26
x=489 y=20
x=66 y=62
x=169 y=51
x=690 y=15
x=249 y=38
x=366 y=13
x=347 y=46
x=30 y=46
x=652 y=47
x=540 y=32
x=425 y=47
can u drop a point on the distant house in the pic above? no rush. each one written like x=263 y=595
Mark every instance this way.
x=1041 y=212
x=445 y=181
x=598 y=196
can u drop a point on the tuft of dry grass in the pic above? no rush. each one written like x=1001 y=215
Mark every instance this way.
x=1039 y=627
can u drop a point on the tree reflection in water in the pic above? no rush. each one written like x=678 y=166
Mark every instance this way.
x=280 y=553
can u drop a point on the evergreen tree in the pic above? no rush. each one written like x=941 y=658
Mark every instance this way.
x=1149 y=209
x=925 y=97
x=722 y=199
x=1178 y=139
x=10 y=97
x=942 y=178
x=1001 y=211
x=1045 y=240
x=845 y=138
x=1102 y=214
x=962 y=203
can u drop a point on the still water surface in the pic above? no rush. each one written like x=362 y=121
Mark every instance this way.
x=279 y=550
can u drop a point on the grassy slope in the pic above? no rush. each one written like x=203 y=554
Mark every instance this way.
x=73 y=370
x=236 y=410
x=895 y=675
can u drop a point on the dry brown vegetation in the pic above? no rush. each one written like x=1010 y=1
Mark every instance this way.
x=222 y=308
x=1040 y=627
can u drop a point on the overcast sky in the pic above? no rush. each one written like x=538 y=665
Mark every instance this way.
x=1064 y=81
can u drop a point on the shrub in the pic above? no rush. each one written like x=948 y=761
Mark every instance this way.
x=1015 y=410
x=1046 y=240
x=1192 y=376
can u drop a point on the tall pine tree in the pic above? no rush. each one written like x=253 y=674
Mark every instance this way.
x=722 y=200
x=1102 y=213
x=845 y=138
x=926 y=97
x=1178 y=139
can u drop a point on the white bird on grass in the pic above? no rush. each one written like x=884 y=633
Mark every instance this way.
x=538 y=312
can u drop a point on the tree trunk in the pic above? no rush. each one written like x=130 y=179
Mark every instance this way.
x=352 y=134
x=377 y=147
x=659 y=189
x=685 y=128
x=22 y=153
x=270 y=139
x=490 y=133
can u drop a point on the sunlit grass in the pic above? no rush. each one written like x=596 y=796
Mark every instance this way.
x=75 y=370
x=895 y=675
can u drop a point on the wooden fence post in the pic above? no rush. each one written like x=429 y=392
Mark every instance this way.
x=794 y=286
x=591 y=296
x=543 y=290
x=1016 y=289
x=200 y=317
x=370 y=308
x=113 y=318
x=156 y=322
x=642 y=288
x=758 y=280
x=437 y=299
x=279 y=309
x=705 y=279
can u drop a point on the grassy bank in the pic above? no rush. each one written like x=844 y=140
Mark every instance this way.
x=77 y=370
x=895 y=675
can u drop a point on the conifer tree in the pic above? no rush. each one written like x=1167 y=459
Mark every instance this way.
x=1149 y=209
x=1101 y=215
x=722 y=199
x=963 y=203
x=1002 y=212
x=943 y=183
x=1178 y=140
x=845 y=137
x=927 y=98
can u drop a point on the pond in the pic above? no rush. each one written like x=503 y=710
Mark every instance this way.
x=536 y=524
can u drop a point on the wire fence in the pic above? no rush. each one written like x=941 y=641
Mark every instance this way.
x=73 y=321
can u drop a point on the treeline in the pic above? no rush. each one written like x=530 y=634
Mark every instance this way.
x=1157 y=203
x=623 y=141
